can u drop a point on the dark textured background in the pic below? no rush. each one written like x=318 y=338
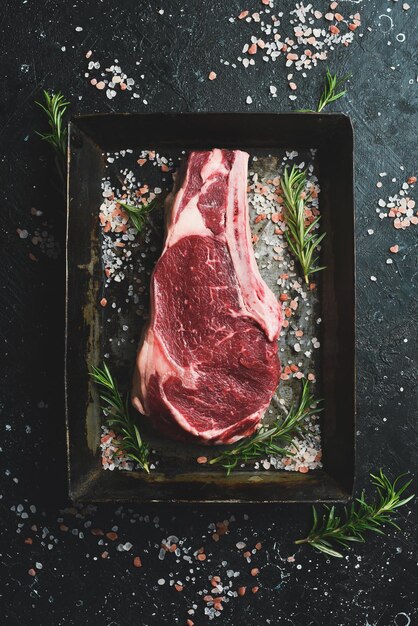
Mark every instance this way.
x=375 y=584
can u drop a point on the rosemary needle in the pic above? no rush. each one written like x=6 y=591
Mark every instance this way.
x=55 y=106
x=330 y=91
x=119 y=418
x=331 y=87
x=269 y=439
x=300 y=237
x=139 y=214
x=333 y=530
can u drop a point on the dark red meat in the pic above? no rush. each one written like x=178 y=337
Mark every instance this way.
x=207 y=366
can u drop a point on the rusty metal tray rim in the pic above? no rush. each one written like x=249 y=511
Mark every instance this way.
x=89 y=494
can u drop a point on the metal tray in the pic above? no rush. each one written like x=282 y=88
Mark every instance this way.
x=90 y=137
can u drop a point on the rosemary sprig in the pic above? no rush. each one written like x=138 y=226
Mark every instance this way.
x=330 y=91
x=332 y=530
x=301 y=238
x=331 y=87
x=55 y=106
x=119 y=418
x=139 y=214
x=266 y=441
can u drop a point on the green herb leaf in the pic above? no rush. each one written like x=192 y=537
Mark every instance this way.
x=360 y=518
x=301 y=239
x=265 y=441
x=139 y=214
x=55 y=106
x=119 y=418
x=331 y=86
x=330 y=91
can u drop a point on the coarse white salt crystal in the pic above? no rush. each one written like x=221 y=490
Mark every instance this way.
x=161 y=581
x=161 y=11
x=88 y=54
x=249 y=100
x=389 y=261
x=240 y=545
x=381 y=203
x=406 y=6
x=79 y=29
x=273 y=89
x=297 y=347
x=23 y=234
x=370 y=231
x=379 y=184
x=373 y=278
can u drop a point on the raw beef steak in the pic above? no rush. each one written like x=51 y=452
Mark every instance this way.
x=207 y=366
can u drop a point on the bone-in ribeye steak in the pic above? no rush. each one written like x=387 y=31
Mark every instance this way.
x=207 y=366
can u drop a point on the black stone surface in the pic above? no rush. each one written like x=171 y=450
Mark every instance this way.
x=375 y=584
